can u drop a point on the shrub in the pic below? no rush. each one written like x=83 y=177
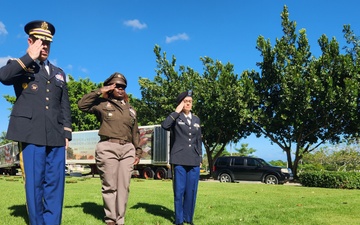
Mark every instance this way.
x=330 y=179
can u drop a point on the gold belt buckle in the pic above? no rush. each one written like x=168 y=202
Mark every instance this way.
x=122 y=142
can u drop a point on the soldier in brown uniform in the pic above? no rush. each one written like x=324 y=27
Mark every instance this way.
x=118 y=150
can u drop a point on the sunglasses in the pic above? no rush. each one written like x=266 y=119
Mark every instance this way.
x=119 y=86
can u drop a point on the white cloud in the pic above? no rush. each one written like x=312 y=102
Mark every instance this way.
x=84 y=70
x=69 y=67
x=3 y=30
x=177 y=37
x=136 y=24
x=3 y=60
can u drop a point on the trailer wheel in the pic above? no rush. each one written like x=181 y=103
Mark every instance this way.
x=148 y=173
x=12 y=171
x=161 y=173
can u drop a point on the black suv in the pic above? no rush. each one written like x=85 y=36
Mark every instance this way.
x=234 y=168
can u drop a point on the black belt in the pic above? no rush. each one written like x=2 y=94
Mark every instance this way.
x=113 y=140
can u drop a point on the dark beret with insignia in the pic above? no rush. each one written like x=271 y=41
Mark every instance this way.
x=116 y=78
x=183 y=95
x=40 y=29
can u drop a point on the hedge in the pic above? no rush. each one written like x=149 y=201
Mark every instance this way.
x=330 y=179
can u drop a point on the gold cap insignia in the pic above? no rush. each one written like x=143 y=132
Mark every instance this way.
x=45 y=26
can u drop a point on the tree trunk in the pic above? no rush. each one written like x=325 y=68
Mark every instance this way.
x=211 y=163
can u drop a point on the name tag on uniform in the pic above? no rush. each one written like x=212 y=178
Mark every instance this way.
x=181 y=123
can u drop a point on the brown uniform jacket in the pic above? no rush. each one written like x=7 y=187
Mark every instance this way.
x=116 y=120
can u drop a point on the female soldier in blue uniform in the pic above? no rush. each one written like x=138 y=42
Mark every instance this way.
x=185 y=156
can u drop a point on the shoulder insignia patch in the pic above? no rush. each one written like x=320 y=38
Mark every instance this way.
x=24 y=85
x=132 y=112
x=60 y=77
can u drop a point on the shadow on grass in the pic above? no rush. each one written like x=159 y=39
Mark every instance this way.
x=19 y=211
x=91 y=208
x=156 y=210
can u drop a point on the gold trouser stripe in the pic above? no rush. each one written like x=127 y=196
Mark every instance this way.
x=22 y=166
x=21 y=160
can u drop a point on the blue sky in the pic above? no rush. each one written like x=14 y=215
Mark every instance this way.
x=95 y=38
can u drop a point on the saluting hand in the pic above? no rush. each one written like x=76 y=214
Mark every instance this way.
x=35 y=49
x=106 y=89
x=180 y=107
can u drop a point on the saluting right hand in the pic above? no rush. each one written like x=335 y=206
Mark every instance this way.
x=105 y=90
x=34 y=49
x=180 y=107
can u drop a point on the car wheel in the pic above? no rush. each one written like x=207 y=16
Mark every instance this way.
x=271 y=179
x=225 y=178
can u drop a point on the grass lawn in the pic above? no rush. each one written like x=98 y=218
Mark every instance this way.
x=151 y=202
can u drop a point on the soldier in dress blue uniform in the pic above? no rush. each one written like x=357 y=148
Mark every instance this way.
x=41 y=122
x=185 y=156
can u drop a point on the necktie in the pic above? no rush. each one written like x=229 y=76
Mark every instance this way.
x=43 y=67
x=188 y=119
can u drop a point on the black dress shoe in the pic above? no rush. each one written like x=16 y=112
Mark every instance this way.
x=180 y=224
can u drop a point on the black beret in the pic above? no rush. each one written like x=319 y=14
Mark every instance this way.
x=183 y=95
x=40 y=29
x=116 y=78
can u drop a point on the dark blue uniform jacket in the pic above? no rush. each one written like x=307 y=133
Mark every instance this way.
x=41 y=114
x=186 y=142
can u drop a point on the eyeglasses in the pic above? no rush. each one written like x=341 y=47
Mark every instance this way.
x=119 y=86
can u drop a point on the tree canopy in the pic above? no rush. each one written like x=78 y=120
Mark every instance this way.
x=304 y=100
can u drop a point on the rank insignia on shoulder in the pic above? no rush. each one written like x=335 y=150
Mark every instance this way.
x=24 y=85
x=132 y=113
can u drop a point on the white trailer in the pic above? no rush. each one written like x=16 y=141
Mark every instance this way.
x=154 y=162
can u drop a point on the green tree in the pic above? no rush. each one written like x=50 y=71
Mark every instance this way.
x=244 y=150
x=346 y=159
x=3 y=139
x=278 y=163
x=303 y=100
x=340 y=157
x=81 y=121
x=10 y=99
